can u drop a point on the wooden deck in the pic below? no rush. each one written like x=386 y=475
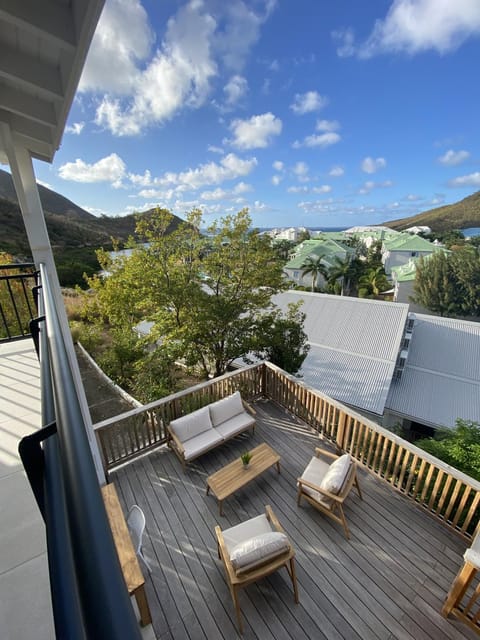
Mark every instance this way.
x=389 y=581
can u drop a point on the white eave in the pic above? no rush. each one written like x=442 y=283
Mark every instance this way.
x=43 y=46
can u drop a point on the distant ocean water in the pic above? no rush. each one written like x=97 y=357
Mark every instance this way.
x=471 y=231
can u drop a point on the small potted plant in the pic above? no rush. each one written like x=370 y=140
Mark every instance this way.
x=245 y=458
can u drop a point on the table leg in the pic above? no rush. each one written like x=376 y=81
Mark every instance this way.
x=208 y=488
x=278 y=466
x=142 y=603
x=220 y=505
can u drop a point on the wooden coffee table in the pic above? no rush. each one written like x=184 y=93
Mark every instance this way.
x=233 y=476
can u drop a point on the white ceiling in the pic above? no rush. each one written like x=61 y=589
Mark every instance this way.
x=43 y=45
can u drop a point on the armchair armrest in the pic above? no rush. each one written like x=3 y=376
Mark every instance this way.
x=272 y=518
x=327 y=454
x=315 y=487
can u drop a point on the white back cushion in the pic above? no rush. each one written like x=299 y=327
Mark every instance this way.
x=192 y=424
x=258 y=550
x=335 y=476
x=224 y=409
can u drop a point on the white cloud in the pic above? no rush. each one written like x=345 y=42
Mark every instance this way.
x=109 y=169
x=216 y=194
x=327 y=125
x=471 y=180
x=177 y=76
x=213 y=149
x=453 y=158
x=297 y=189
x=307 y=102
x=76 y=128
x=372 y=165
x=276 y=180
x=413 y=26
x=300 y=169
x=322 y=140
x=122 y=40
x=346 y=42
x=144 y=180
x=278 y=165
x=370 y=185
x=44 y=184
x=229 y=168
x=336 y=171
x=255 y=133
x=324 y=188
x=241 y=187
x=413 y=197
x=235 y=89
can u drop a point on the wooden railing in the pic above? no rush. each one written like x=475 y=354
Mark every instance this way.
x=441 y=490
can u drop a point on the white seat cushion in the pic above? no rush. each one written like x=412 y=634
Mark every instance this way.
x=258 y=550
x=192 y=424
x=335 y=476
x=245 y=530
x=203 y=442
x=226 y=408
x=235 y=425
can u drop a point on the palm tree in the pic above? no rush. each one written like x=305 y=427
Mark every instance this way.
x=341 y=269
x=373 y=282
x=314 y=266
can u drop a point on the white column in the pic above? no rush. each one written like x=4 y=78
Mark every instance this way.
x=25 y=183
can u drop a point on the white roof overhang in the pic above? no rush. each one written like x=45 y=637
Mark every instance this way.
x=43 y=46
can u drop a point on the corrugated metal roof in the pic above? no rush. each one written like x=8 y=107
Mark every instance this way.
x=354 y=346
x=441 y=379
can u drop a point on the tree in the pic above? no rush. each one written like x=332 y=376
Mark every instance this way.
x=372 y=282
x=314 y=266
x=342 y=270
x=281 y=339
x=282 y=248
x=466 y=268
x=436 y=286
x=458 y=447
x=205 y=301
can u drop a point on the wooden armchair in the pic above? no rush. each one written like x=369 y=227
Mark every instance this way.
x=253 y=550
x=326 y=484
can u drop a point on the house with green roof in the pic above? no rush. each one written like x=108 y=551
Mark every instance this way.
x=325 y=248
x=399 y=250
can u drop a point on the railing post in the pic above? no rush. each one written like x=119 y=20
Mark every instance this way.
x=340 y=439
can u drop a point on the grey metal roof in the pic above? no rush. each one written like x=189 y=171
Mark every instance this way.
x=354 y=346
x=441 y=379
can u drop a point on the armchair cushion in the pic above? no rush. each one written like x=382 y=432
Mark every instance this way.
x=336 y=474
x=223 y=410
x=258 y=550
x=191 y=425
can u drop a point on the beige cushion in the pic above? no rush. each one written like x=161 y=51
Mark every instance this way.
x=206 y=440
x=237 y=424
x=258 y=550
x=335 y=476
x=226 y=408
x=314 y=472
x=191 y=425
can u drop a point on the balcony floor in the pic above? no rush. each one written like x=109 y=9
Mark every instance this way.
x=389 y=581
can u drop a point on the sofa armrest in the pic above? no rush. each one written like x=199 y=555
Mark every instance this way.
x=323 y=492
x=327 y=454
x=248 y=407
x=177 y=442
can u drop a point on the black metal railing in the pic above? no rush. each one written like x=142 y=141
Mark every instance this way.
x=89 y=595
x=17 y=303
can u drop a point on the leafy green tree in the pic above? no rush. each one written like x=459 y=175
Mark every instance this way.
x=458 y=447
x=465 y=264
x=15 y=301
x=281 y=339
x=204 y=296
x=303 y=235
x=436 y=286
x=282 y=248
x=313 y=266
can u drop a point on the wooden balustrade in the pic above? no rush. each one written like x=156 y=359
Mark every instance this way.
x=440 y=489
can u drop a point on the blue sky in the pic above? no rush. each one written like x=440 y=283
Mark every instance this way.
x=311 y=113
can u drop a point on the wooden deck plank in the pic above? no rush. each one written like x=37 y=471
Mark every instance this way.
x=388 y=581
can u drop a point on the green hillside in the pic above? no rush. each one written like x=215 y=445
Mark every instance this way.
x=74 y=233
x=460 y=215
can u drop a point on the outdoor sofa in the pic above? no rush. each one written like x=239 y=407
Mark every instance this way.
x=204 y=429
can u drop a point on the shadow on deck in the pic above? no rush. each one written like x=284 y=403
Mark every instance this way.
x=389 y=581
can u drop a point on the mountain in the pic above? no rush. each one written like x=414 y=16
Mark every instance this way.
x=460 y=215
x=69 y=226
